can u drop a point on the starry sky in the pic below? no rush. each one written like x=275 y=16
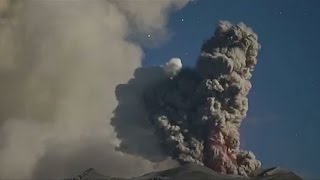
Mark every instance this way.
x=283 y=123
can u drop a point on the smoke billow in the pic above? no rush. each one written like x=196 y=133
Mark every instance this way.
x=197 y=113
x=60 y=62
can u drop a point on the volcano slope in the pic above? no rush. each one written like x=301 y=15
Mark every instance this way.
x=193 y=172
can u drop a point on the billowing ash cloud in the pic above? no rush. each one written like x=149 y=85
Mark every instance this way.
x=197 y=113
x=60 y=62
x=225 y=64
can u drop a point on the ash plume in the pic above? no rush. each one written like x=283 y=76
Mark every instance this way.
x=197 y=113
x=60 y=62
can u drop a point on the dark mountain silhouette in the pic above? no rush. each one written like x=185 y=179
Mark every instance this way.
x=195 y=172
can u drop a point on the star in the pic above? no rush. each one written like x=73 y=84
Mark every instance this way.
x=196 y=20
x=187 y=54
x=280 y=12
x=149 y=35
x=182 y=20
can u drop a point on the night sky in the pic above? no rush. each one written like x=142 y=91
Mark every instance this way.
x=283 y=122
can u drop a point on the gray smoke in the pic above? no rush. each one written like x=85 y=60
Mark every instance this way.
x=197 y=113
x=130 y=117
x=60 y=62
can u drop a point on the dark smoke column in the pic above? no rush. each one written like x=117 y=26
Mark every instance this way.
x=198 y=113
x=226 y=63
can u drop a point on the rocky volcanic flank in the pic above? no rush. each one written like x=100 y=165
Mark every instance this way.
x=194 y=172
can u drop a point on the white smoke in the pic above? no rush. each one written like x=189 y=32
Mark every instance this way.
x=173 y=67
x=60 y=62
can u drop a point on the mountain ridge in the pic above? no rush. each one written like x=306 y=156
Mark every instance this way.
x=193 y=171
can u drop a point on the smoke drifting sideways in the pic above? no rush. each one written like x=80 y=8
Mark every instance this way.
x=60 y=62
x=197 y=113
